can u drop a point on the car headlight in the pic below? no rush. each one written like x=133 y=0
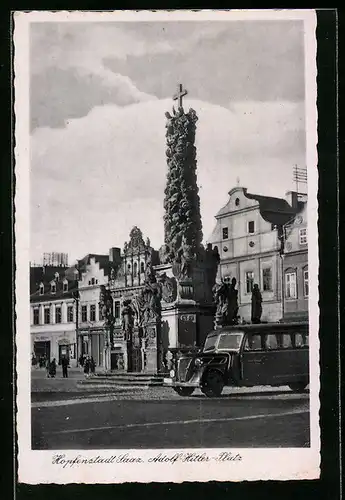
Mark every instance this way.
x=198 y=362
x=172 y=373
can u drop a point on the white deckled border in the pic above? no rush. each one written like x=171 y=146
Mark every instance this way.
x=256 y=464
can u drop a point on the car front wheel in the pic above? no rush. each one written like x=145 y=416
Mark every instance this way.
x=298 y=386
x=184 y=391
x=213 y=384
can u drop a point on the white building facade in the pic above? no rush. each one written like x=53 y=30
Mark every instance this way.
x=52 y=317
x=247 y=238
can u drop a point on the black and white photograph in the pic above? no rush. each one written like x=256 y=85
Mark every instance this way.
x=166 y=246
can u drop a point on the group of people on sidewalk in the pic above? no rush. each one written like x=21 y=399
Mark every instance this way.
x=88 y=364
x=51 y=367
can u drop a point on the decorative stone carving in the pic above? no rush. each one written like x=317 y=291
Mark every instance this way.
x=127 y=315
x=226 y=300
x=106 y=308
x=168 y=287
x=182 y=220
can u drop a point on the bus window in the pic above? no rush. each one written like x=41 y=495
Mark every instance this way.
x=287 y=341
x=301 y=340
x=253 y=343
x=272 y=341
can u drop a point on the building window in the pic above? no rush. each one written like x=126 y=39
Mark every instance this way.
x=142 y=267
x=36 y=317
x=290 y=285
x=306 y=283
x=303 y=237
x=84 y=313
x=70 y=314
x=46 y=315
x=273 y=227
x=251 y=227
x=128 y=268
x=53 y=288
x=65 y=287
x=117 y=309
x=92 y=281
x=135 y=268
x=93 y=312
x=225 y=233
x=237 y=202
x=249 y=281
x=58 y=314
x=267 y=279
x=41 y=289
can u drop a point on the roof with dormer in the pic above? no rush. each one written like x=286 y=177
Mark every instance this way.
x=277 y=211
x=45 y=276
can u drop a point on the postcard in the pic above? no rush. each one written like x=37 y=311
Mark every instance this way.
x=166 y=246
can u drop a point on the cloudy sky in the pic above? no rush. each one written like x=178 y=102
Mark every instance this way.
x=98 y=94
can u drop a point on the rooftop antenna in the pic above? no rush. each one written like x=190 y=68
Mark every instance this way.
x=299 y=176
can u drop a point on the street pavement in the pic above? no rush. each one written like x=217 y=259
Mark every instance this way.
x=63 y=417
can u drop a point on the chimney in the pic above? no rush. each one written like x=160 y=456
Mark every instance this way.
x=292 y=198
x=115 y=255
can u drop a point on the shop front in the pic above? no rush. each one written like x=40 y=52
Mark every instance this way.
x=91 y=343
x=54 y=345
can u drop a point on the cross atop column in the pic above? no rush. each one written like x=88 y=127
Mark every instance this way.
x=180 y=94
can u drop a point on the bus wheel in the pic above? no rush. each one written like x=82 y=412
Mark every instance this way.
x=298 y=386
x=184 y=391
x=213 y=384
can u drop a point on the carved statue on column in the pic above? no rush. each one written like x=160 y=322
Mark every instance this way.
x=127 y=315
x=106 y=309
x=256 y=304
x=233 y=303
x=221 y=299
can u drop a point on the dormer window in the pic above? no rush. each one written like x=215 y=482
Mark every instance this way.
x=237 y=202
x=142 y=267
x=53 y=287
x=225 y=233
x=41 y=289
x=65 y=286
x=93 y=281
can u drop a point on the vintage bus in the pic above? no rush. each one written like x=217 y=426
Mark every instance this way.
x=272 y=354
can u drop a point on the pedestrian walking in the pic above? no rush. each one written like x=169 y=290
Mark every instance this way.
x=81 y=360
x=52 y=368
x=87 y=366
x=64 y=364
x=47 y=367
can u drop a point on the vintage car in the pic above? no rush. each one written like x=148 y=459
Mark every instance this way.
x=244 y=356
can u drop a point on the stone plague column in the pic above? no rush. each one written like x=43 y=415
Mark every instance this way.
x=187 y=270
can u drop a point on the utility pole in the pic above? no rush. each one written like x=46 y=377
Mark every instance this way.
x=76 y=300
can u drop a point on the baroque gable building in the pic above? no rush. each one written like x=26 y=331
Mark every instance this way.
x=249 y=234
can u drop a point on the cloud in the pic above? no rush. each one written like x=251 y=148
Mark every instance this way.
x=76 y=66
x=68 y=77
x=103 y=173
x=219 y=62
x=58 y=95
